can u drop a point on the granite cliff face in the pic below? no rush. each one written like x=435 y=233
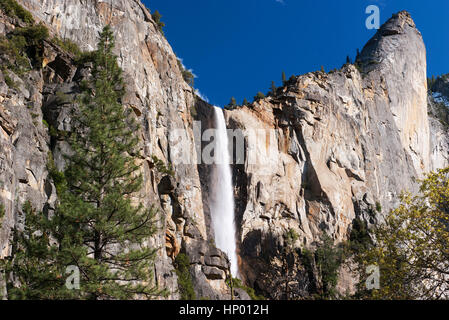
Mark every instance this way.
x=161 y=101
x=332 y=147
x=344 y=145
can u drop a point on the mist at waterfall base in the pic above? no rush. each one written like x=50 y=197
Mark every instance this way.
x=222 y=195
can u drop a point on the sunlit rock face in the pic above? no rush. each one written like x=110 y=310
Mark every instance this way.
x=398 y=56
x=343 y=145
x=157 y=96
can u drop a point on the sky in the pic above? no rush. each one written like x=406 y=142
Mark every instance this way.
x=236 y=48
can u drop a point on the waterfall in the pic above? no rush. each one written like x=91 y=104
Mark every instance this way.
x=222 y=196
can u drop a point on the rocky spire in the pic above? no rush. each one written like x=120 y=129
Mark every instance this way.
x=396 y=57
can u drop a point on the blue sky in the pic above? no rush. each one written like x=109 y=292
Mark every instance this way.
x=237 y=47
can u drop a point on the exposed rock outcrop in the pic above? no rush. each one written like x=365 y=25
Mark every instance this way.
x=336 y=147
x=161 y=101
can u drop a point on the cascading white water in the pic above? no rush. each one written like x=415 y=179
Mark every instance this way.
x=222 y=196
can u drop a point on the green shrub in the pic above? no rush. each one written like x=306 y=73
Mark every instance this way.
x=161 y=167
x=359 y=237
x=185 y=284
x=15 y=10
x=157 y=18
x=186 y=74
x=7 y=47
x=232 y=102
x=32 y=46
x=259 y=96
x=359 y=67
x=68 y=46
x=328 y=259
x=431 y=82
x=237 y=283
x=325 y=261
x=14 y=51
x=33 y=35
x=378 y=207
x=9 y=82
x=188 y=77
x=21 y=45
x=291 y=237
x=84 y=57
x=62 y=98
x=58 y=177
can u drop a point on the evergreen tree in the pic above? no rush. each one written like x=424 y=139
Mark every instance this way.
x=289 y=258
x=96 y=227
x=259 y=96
x=328 y=258
x=187 y=75
x=36 y=263
x=232 y=102
x=157 y=18
x=245 y=102
x=348 y=60
x=284 y=78
x=185 y=284
x=273 y=88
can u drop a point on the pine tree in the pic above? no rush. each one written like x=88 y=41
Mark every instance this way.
x=273 y=88
x=96 y=227
x=36 y=264
x=259 y=96
x=284 y=78
x=232 y=102
x=157 y=18
x=245 y=102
